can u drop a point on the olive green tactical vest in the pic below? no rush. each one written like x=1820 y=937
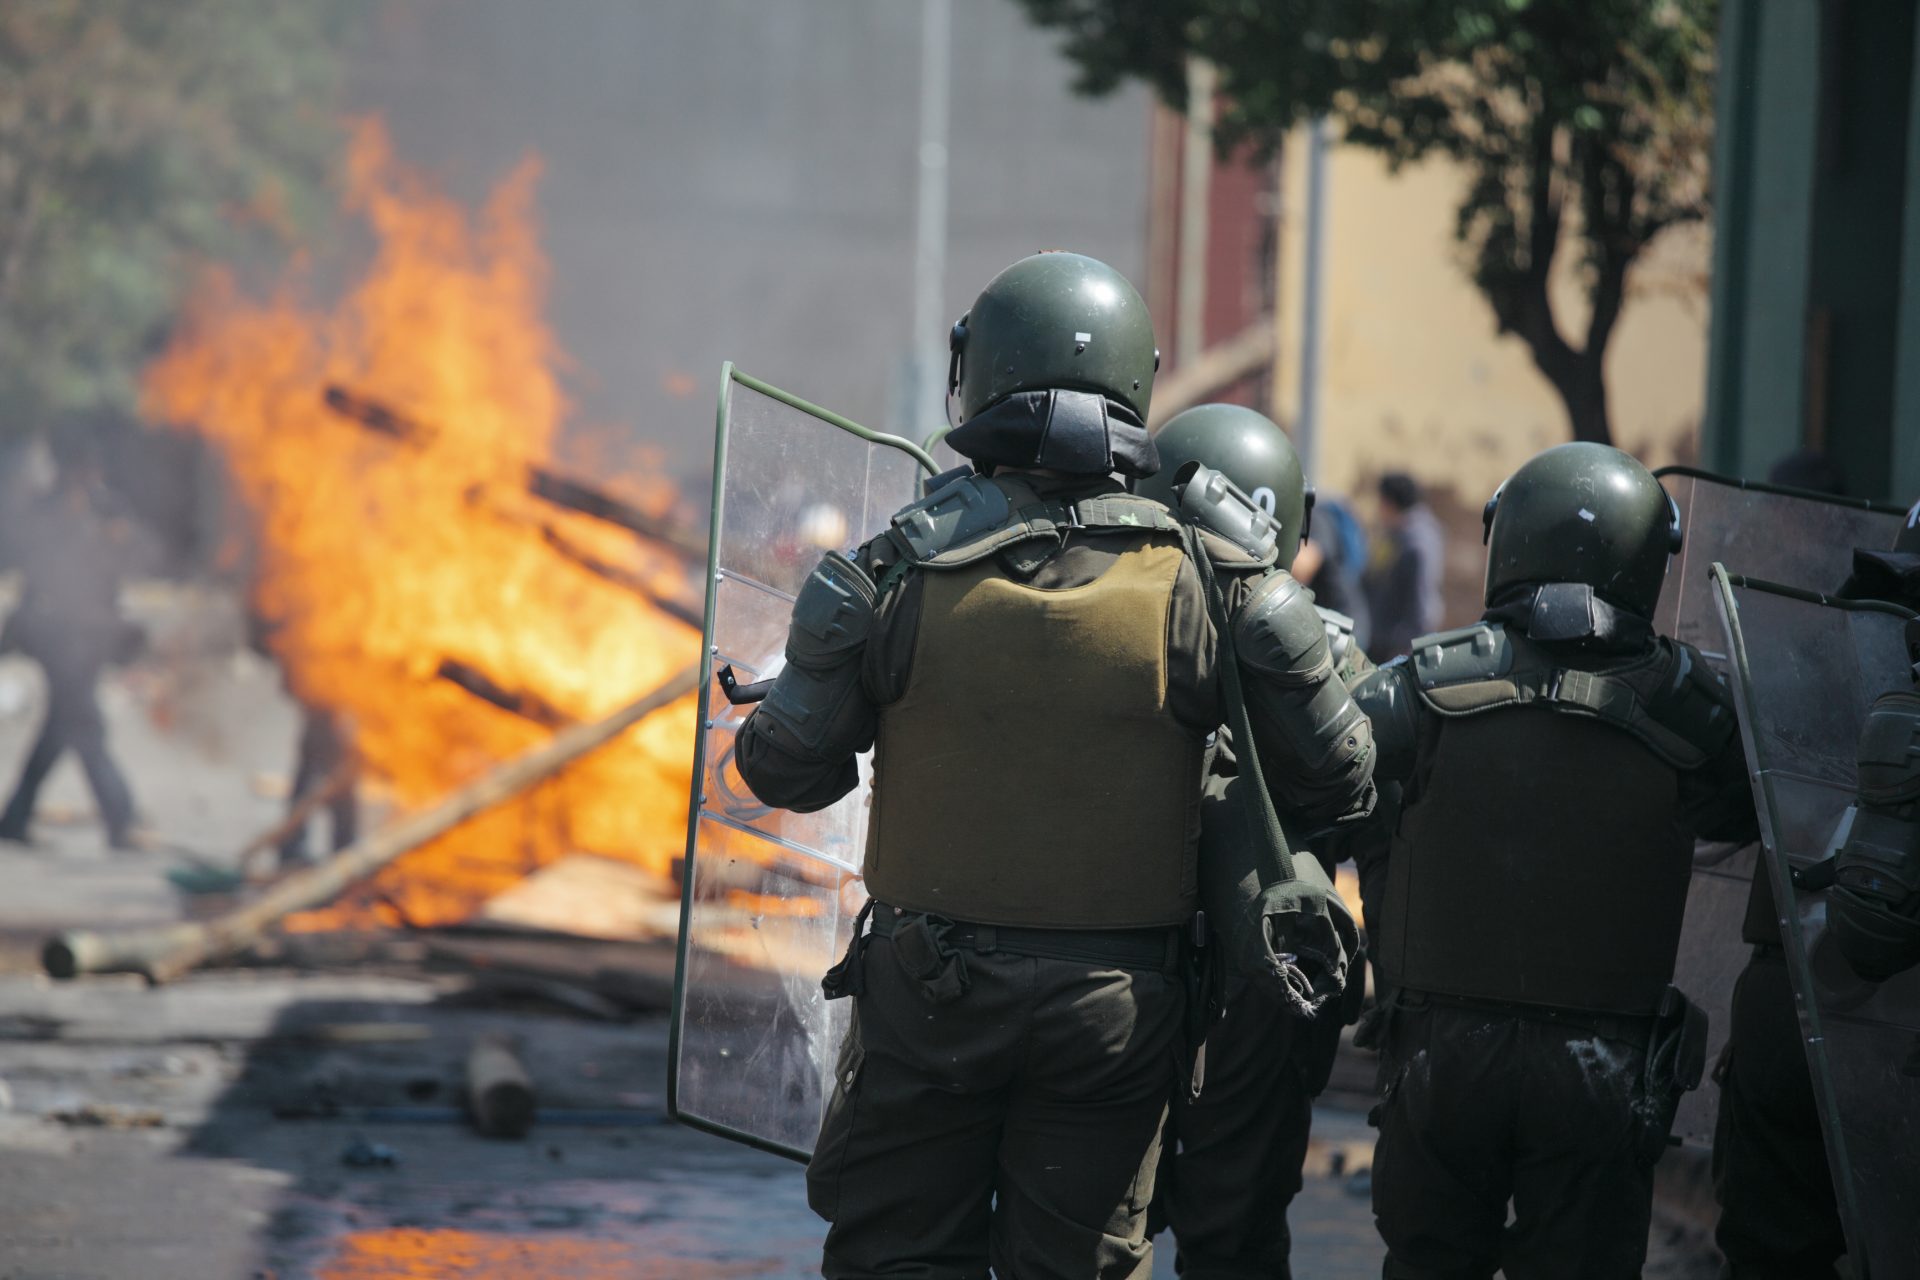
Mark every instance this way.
x=1543 y=858
x=1031 y=774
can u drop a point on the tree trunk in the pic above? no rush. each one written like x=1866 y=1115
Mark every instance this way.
x=1583 y=390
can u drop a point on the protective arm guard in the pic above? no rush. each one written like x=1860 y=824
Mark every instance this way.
x=1387 y=697
x=1315 y=744
x=1874 y=905
x=797 y=748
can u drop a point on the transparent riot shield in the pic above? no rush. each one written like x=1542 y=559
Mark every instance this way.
x=1765 y=532
x=768 y=896
x=1805 y=669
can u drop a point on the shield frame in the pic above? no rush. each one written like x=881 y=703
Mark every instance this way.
x=1688 y=610
x=1780 y=870
x=1677 y=571
x=731 y=376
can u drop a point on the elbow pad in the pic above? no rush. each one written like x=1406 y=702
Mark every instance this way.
x=816 y=709
x=1873 y=909
x=1386 y=697
x=1874 y=905
x=1313 y=733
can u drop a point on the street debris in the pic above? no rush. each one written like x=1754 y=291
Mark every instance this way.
x=361 y=1154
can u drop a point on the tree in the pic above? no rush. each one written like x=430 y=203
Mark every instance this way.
x=136 y=138
x=1580 y=120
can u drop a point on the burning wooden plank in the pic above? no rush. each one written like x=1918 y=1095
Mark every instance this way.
x=164 y=954
x=542 y=482
x=689 y=614
x=567 y=548
x=587 y=500
x=521 y=702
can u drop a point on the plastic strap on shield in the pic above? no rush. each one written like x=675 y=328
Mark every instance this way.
x=769 y=896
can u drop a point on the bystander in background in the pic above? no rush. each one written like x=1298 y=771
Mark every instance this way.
x=1402 y=584
x=1331 y=561
x=72 y=557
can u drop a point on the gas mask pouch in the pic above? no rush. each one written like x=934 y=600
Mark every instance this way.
x=920 y=947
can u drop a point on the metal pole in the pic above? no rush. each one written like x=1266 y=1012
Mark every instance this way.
x=1306 y=438
x=1196 y=174
x=927 y=405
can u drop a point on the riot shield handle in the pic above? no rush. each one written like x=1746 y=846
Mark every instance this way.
x=741 y=694
x=1815 y=876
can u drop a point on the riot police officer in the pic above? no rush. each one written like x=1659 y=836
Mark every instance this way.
x=1234 y=1153
x=1034 y=658
x=1558 y=758
x=1778 y=1213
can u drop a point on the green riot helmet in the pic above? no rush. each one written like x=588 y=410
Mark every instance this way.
x=1248 y=448
x=1054 y=320
x=1582 y=513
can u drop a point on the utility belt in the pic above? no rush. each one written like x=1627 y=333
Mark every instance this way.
x=1673 y=1037
x=930 y=949
x=1632 y=1029
x=1154 y=950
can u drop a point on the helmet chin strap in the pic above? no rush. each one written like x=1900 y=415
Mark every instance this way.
x=1069 y=432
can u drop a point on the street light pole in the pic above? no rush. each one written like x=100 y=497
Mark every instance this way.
x=927 y=405
x=1306 y=426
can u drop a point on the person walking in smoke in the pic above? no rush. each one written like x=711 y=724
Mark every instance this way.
x=1558 y=757
x=68 y=620
x=1032 y=653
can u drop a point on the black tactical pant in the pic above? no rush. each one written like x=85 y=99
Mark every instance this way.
x=1778 y=1219
x=73 y=723
x=1484 y=1107
x=1234 y=1155
x=1015 y=1125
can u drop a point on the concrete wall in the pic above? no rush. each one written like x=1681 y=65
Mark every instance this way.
x=734 y=179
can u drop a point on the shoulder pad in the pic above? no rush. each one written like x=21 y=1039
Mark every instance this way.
x=1690 y=705
x=966 y=521
x=951 y=515
x=1277 y=630
x=1119 y=511
x=1470 y=655
x=1212 y=502
x=1669 y=699
x=933 y=484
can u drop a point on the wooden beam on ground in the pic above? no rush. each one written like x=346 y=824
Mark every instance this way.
x=334 y=785
x=167 y=953
x=499 y=1089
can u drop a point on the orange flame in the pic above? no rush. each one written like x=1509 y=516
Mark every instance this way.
x=382 y=555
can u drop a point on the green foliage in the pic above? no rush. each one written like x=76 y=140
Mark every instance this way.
x=1591 y=118
x=137 y=139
